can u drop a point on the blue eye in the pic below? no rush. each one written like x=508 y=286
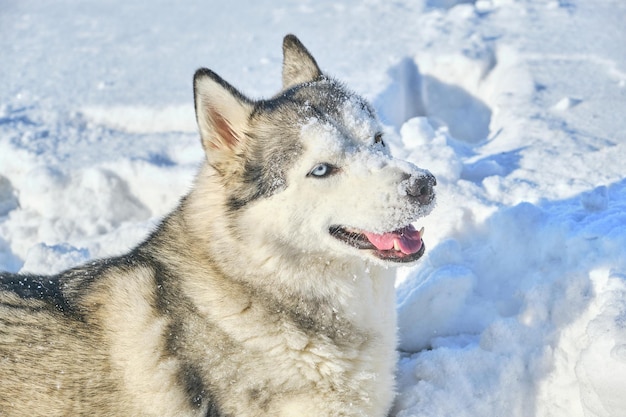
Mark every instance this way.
x=322 y=170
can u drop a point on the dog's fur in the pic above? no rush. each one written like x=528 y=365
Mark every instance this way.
x=258 y=296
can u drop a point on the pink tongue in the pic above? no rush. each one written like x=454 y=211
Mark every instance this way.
x=407 y=239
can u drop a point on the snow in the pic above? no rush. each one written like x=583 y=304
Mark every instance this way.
x=517 y=106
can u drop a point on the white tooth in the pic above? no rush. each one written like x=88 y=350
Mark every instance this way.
x=396 y=244
x=422 y=232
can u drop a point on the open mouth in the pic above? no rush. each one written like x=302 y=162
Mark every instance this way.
x=402 y=245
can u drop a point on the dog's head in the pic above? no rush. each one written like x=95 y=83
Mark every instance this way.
x=309 y=169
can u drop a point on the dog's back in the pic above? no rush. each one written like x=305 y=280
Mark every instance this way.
x=97 y=340
x=48 y=343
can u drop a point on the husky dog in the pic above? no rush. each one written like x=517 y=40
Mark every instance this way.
x=267 y=292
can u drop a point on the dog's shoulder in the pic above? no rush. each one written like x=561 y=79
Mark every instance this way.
x=32 y=290
x=61 y=292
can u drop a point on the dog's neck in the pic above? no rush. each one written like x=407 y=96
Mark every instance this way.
x=356 y=287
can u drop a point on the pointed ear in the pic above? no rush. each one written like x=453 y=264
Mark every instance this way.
x=222 y=114
x=299 y=66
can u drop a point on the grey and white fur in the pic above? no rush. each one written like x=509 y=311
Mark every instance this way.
x=266 y=292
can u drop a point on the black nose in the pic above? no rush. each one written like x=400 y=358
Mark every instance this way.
x=421 y=188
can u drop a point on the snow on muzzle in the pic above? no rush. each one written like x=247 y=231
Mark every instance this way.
x=404 y=243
